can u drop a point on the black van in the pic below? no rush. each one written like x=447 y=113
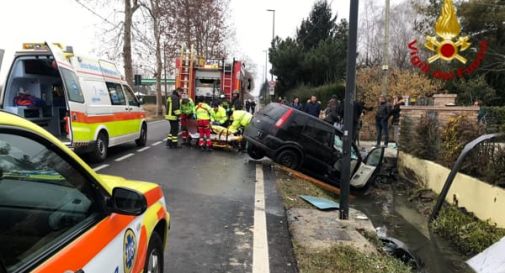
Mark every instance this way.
x=300 y=141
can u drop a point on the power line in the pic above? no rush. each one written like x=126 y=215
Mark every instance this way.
x=95 y=13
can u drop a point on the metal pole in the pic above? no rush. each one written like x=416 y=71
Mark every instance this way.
x=266 y=77
x=385 y=67
x=273 y=36
x=345 y=177
x=165 y=67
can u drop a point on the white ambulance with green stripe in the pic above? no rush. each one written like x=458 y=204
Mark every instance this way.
x=84 y=102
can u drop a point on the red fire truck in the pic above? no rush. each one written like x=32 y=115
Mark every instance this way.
x=211 y=78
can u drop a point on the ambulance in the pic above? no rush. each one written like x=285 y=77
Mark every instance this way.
x=84 y=102
x=58 y=215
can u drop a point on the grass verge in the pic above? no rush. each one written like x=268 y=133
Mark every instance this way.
x=467 y=233
x=345 y=259
x=340 y=258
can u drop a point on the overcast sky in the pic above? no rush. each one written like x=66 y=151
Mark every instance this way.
x=67 y=22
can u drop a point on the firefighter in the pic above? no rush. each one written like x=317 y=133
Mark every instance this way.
x=220 y=115
x=204 y=115
x=236 y=104
x=187 y=113
x=173 y=112
x=239 y=120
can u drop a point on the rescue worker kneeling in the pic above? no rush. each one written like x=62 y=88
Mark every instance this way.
x=204 y=115
x=220 y=115
x=240 y=120
x=173 y=112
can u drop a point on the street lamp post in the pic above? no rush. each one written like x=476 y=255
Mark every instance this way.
x=345 y=177
x=273 y=34
x=266 y=77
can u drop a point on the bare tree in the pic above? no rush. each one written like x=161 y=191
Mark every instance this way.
x=402 y=19
x=156 y=14
x=130 y=6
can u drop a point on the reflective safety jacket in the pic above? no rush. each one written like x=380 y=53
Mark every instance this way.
x=173 y=108
x=220 y=115
x=188 y=108
x=203 y=111
x=240 y=118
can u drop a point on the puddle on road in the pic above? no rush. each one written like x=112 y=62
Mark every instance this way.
x=393 y=213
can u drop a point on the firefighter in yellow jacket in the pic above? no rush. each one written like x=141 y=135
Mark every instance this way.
x=204 y=115
x=240 y=119
x=220 y=115
x=173 y=113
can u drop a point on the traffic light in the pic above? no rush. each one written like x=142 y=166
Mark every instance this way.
x=138 y=79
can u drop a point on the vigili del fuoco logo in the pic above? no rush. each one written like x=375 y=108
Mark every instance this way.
x=447 y=46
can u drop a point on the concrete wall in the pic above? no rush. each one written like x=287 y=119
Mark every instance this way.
x=442 y=113
x=484 y=200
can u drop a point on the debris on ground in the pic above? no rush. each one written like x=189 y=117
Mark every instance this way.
x=320 y=203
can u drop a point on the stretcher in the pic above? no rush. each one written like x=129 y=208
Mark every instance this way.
x=221 y=138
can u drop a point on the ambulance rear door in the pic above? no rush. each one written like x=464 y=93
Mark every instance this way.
x=76 y=109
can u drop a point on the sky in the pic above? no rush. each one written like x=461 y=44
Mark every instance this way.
x=67 y=22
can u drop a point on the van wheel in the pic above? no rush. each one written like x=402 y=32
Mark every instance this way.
x=142 y=140
x=99 y=152
x=289 y=158
x=154 y=258
x=254 y=152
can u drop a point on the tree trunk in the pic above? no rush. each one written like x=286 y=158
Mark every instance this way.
x=127 y=42
x=157 y=37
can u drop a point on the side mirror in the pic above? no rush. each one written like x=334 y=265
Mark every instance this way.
x=129 y=202
x=141 y=101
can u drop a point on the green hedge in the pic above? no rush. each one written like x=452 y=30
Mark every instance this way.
x=323 y=92
x=469 y=234
x=493 y=117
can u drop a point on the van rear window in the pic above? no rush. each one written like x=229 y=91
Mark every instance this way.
x=274 y=111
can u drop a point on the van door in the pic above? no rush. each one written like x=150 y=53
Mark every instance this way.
x=78 y=131
x=368 y=169
x=120 y=128
x=1 y=87
x=136 y=112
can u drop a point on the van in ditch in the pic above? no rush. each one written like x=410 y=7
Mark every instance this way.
x=84 y=102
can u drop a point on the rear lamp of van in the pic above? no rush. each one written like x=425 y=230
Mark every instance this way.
x=284 y=118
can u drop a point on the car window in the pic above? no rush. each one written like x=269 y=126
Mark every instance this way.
x=274 y=111
x=72 y=85
x=374 y=157
x=132 y=100
x=44 y=201
x=338 y=144
x=319 y=132
x=296 y=124
x=116 y=94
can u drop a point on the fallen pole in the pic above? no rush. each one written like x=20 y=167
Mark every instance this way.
x=312 y=180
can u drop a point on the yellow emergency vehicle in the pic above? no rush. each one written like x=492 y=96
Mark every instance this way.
x=84 y=102
x=58 y=215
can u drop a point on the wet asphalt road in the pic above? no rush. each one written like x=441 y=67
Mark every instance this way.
x=211 y=198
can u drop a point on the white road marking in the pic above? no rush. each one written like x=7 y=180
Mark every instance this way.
x=156 y=143
x=96 y=169
x=123 y=157
x=260 y=263
x=143 y=149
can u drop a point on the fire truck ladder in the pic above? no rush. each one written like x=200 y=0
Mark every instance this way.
x=186 y=72
x=227 y=78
